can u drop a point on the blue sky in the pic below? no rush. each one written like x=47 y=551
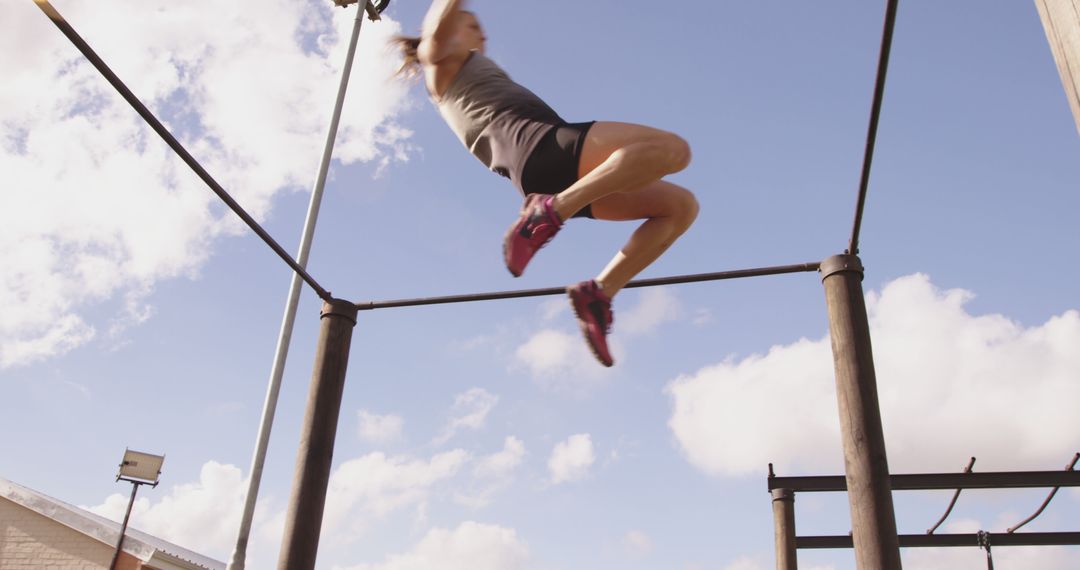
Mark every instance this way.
x=137 y=313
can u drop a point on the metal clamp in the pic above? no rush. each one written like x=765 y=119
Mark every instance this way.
x=840 y=263
x=374 y=7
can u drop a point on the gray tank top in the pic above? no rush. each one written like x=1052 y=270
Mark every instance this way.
x=498 y=120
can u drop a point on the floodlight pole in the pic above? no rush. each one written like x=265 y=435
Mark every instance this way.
x=273 y=389
x=123 y=527
x=300 y=542
x=873 y=521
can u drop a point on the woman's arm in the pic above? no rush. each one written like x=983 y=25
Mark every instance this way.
x=439 y=34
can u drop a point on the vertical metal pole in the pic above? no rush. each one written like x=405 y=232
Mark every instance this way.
x=300 y=542
x=783 y=508
x=239 y=554
x=123 y=527
x=873 y=522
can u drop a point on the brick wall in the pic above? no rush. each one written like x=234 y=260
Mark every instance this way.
x=30 y=541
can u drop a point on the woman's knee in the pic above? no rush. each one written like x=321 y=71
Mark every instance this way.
x=678 y=152
x=680 y=206
x=669 y=151
x=688 y=208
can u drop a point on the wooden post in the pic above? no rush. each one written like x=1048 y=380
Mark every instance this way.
x=300 y=542
x=873 y=522
x=783 y=508
x=1061 y=20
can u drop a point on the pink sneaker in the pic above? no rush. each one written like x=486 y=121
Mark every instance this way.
x=594 y=314
x=536 y=226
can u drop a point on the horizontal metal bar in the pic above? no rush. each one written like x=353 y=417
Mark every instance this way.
x=924 y=481
x=945 y=540
x=697 y=277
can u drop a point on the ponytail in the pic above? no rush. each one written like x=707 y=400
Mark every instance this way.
x=410 y=65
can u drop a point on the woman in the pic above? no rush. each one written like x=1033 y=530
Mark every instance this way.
x=601 y=170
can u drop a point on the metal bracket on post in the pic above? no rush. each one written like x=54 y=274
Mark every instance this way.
x=838 y=263
x=339 y=308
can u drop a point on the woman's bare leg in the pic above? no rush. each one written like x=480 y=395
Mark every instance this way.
x=621 y=157
x=668 y=210
x=620 y=176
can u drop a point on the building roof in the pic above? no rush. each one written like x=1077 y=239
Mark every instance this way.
x=150 y=549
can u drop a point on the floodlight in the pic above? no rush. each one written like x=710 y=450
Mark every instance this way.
x=139 y=467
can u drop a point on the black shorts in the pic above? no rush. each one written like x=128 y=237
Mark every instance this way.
x=553 y=165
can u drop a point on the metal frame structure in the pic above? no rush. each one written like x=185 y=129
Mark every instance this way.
x=783 y=490
x=867 y=476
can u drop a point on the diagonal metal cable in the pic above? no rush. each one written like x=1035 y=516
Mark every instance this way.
x=169 y=139
x=875 y=113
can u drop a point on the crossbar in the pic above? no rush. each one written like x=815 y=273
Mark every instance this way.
x=674 y=280
x=932 y=481
x=943 y=540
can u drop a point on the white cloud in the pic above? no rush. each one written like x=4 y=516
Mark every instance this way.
x=61 y=336
x=377 y=428
x=482 y=341
x=562 y=362
x=203 y=516
x=471 y=546
x=1041 y=557
x=548 y=350
x=493 y=473
x=571 y=459
x=760 y=563
x=80 y=389
x=637 y=543
x=654 y=307
x=744 y=563
x=554 y=308
x=471 y=409
x=963 y=526
x=374 y=485
x=504 y=462
x=974 y=385
x=96 y=209
x=702 y=317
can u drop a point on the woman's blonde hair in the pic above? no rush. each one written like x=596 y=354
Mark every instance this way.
x=410 y=64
